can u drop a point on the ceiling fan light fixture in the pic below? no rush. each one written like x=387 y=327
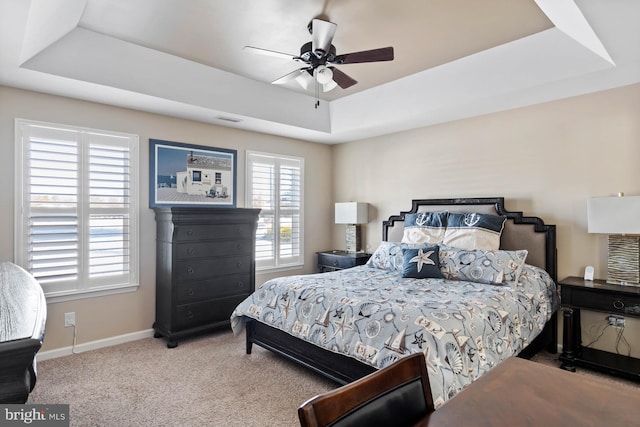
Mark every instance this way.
x=324 y=75
x=319 y=55
x=326 y=87
x=304 y=79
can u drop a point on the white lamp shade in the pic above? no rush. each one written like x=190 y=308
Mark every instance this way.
x=614 y=215
x=324 y=74
x=304 y=79
x=326 y=87
x=352 y=213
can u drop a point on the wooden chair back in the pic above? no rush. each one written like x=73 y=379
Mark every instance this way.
x=398 y=395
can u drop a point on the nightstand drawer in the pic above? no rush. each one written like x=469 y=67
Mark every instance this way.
x=626 y=304
x=338 y=260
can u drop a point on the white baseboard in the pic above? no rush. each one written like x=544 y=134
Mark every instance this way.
x=94 y=345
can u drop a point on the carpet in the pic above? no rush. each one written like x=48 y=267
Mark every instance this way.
x=205 y=381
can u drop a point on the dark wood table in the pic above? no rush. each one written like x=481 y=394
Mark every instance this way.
x=23 y=313
x=521 y=393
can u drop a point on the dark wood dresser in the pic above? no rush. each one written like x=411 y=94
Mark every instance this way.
x=205 y=266
x=23 y=313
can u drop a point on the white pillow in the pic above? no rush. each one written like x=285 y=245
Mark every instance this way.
x=474 y=231
x=424 y=227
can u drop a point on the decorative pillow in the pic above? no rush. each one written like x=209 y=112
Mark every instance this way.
x=474 y=231
x=388 y=256
x=422 y=263
x=483 y=266
x=426 y=227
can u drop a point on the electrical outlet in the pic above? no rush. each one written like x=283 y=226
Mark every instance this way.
x=70 y=319
x=616 y=321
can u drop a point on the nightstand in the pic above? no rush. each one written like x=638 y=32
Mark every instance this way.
x=597 y=295
x=338 y=260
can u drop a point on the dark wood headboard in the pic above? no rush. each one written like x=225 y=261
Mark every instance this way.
x=520 y=232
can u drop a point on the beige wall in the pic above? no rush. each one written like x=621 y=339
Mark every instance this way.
x=546 y=160
x=105 y=317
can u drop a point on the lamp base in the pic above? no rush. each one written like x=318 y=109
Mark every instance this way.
x=353 y=238
x=623 y=264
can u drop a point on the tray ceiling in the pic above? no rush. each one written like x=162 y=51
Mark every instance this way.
x=453 y=58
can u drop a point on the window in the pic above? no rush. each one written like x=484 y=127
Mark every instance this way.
x=76 y=209
x=274 y=185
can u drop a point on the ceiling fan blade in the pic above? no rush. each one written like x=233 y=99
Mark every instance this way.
x=373 y=55
x=288 y=77
x=343 y=80
x=301 y=76
x=322 y=32
x=266 y=52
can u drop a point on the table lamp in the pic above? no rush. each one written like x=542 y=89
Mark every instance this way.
x=352 y=214
x=619 y=217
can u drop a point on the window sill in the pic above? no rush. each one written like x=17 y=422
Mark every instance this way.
x=267 y=270
x=55 y=297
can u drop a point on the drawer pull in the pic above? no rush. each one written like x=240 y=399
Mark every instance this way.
x=335 y=262
x=189 y=314
x=190 y=270
x=240 y=285
x=618 y=305
x=239 y=246
x=239 y=264
x=189 y=232
x=190 y=251
x=190 y=292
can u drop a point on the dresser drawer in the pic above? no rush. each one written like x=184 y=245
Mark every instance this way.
x=204 y=268
x=206 y=312
x=216 y=287
x=625 y=304
x=208 y=249
x=186 y=233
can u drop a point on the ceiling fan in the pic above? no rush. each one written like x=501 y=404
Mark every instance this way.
x=319 y=56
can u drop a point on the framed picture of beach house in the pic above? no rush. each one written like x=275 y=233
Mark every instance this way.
x=190 y=175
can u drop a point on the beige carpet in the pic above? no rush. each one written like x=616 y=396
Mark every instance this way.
x=206 y=381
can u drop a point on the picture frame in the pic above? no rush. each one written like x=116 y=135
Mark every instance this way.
x=189 y=175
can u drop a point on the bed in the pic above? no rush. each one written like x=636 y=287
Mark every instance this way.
x=466 y=320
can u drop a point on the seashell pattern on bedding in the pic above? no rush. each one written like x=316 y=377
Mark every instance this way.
x=374 y=315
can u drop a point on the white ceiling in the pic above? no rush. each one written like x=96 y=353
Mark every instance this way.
x=453 y=58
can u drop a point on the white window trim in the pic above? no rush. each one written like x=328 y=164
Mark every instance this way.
x=248 y=203
x=21 y=231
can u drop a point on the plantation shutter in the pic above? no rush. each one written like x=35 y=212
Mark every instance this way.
x=77 y=229
x=274 y=185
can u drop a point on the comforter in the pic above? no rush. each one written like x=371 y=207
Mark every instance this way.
x=464 y=328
